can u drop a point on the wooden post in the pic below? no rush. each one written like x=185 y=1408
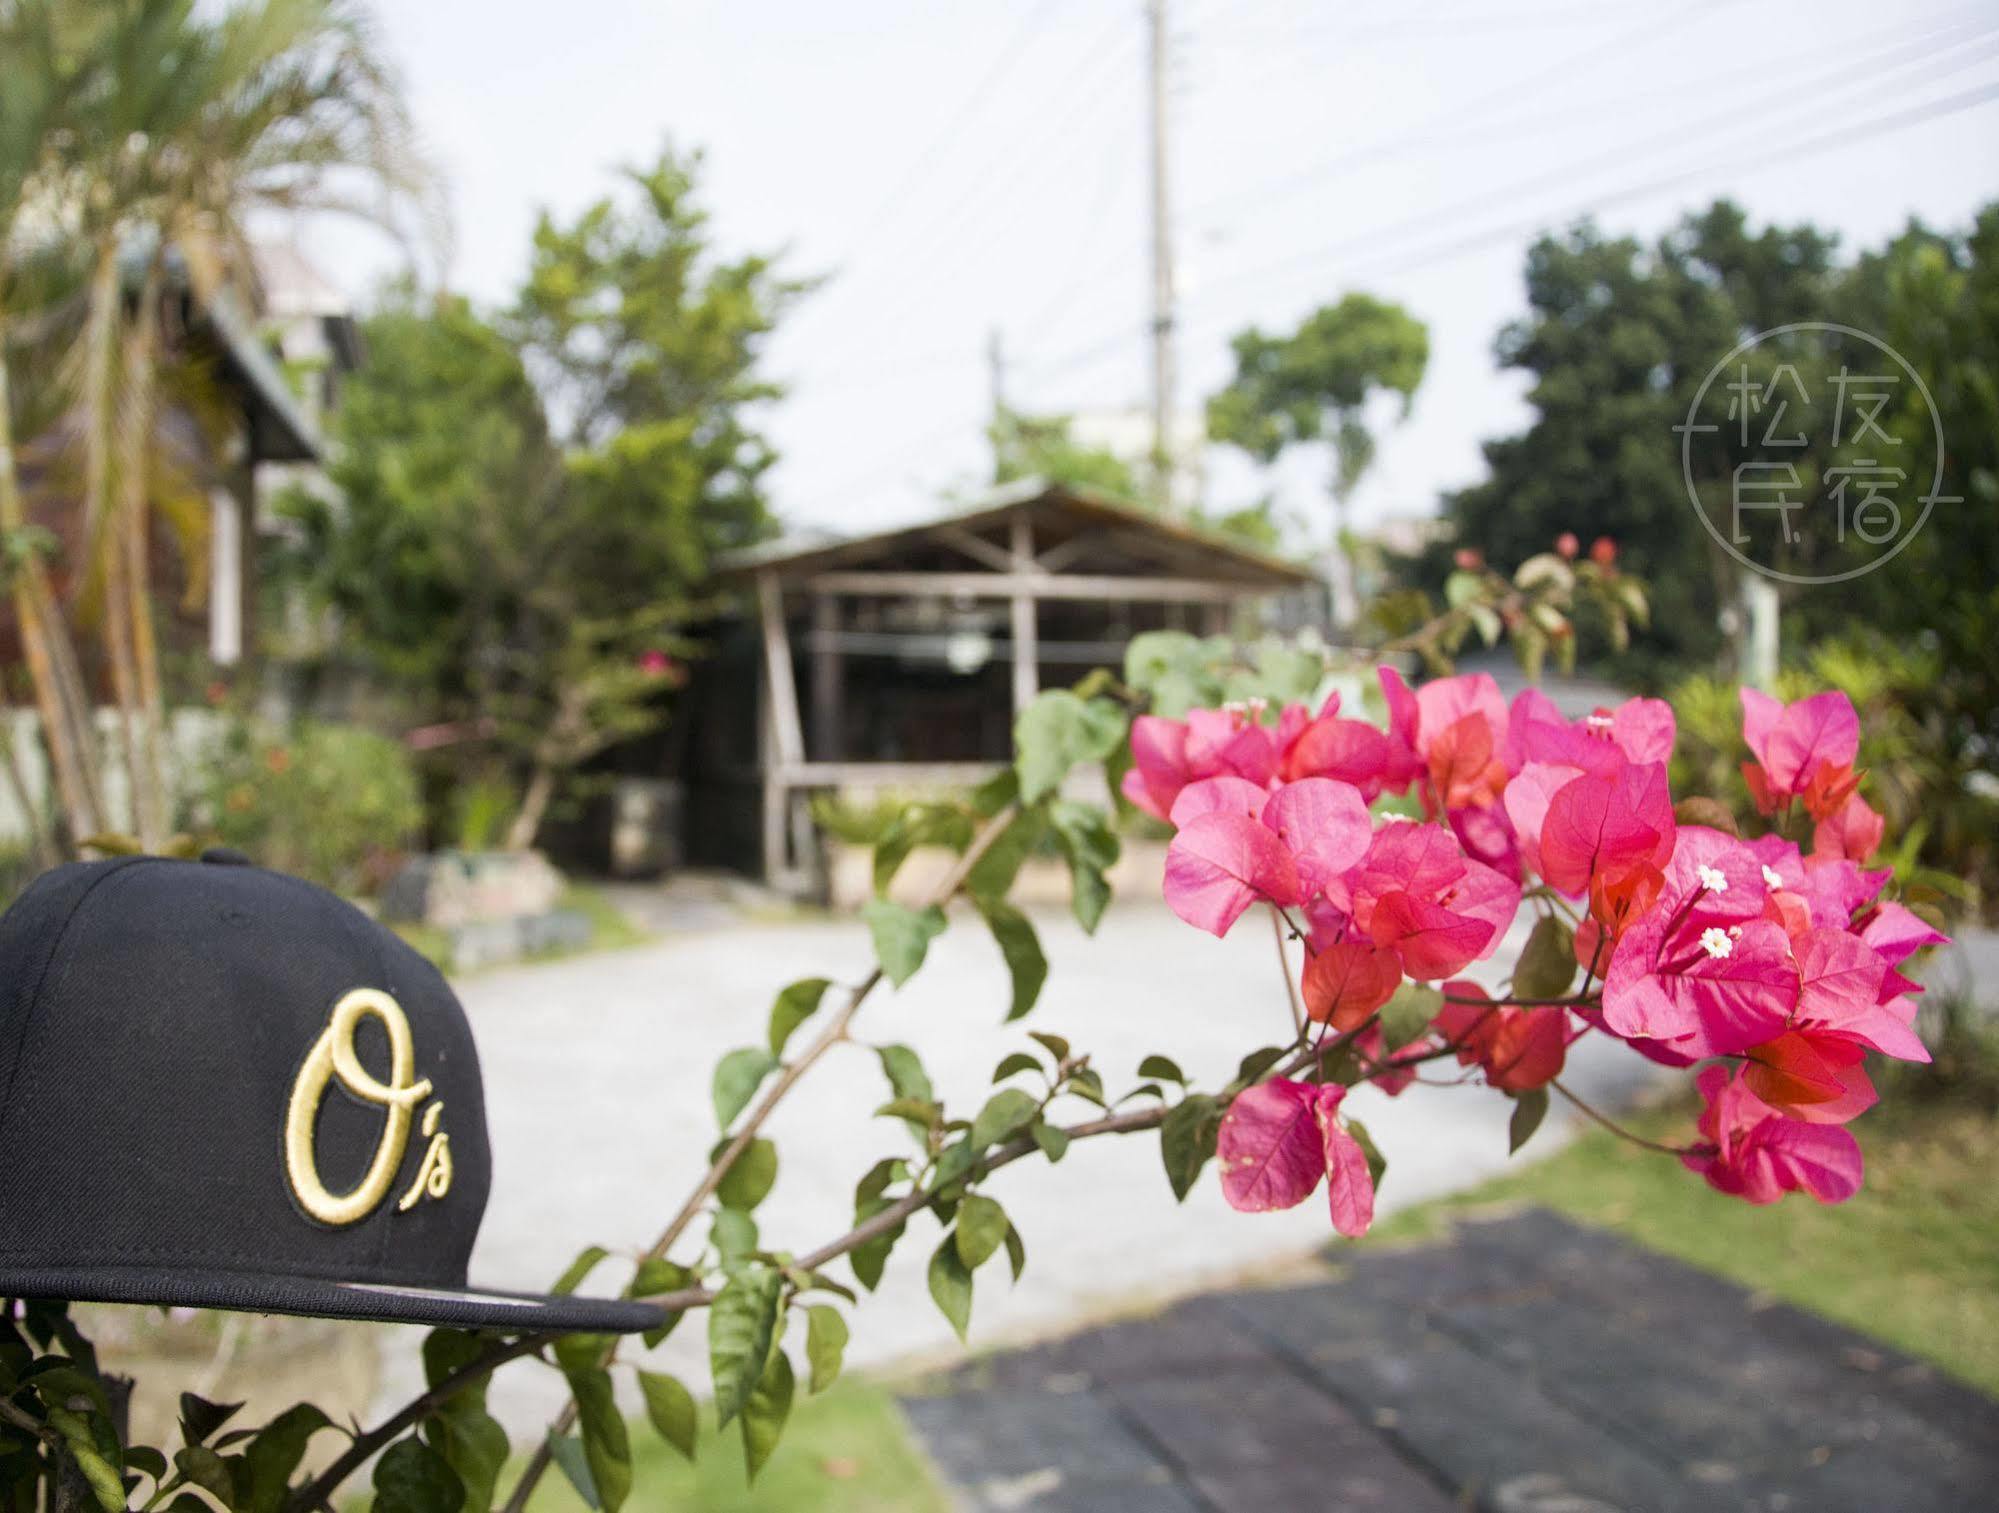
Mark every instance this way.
x=828 y=682
x=1026 y=630
x=780 y=743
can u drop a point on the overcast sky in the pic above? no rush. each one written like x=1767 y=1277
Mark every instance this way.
x=960 y=167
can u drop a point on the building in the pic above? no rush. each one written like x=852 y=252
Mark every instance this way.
x=896 y=662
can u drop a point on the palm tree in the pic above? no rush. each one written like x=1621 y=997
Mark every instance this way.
x=183 y=129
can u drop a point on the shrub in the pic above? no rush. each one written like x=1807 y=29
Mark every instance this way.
x=332 y=803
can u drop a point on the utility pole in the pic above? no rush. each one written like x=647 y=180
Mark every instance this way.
x=996 y=366
x=1162 y=267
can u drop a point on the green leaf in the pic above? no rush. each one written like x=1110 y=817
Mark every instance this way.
x=1021 y=949
x=982 y=1227
x=951 y=1286
x=1376 y=1162
x=1162 y=1066
x=275 y=1453
x=1409 y=1013
x=470 y=1439
x=106 y=1485
x=413 y=1478
x=902 y=936
x=657 y=1275
x=567 y=1452
x=200 y=1418
x=1055 y=732
x=794 y=1006
x=581 y=1267
x=1462 y=589
x=905 y=1073
x=993 y=874
x=737 y=1077
x=1016 y=1251
x=879 y=1177
x=995 y=793
x=1529 y=1109
x=607 y=1445
x=733 y=1234
x=871 y=1259
x=1054 y=1141
x=1006 y=1113
x=670 y=1407
x=208 y=1471
x=1054 y=1045
x=1252 y=1067
x=1547 y=962
x=741 y=1324
x=765 y=1412
x=1019 y=1061
x=917 y=1111
x=918 y=825
x=825 y=1344
x=1089 y=845
x=1187 y=1140
x=749 y=1181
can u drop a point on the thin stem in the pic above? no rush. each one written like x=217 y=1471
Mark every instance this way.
x=834 y=1032
x=1613 y=1126
x=318 y=1493
x=1580 y=1001
x=1284 y=965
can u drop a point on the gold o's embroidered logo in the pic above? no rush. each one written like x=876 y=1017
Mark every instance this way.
x=333 y=1057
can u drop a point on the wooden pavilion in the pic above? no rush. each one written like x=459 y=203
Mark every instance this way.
x=897 y=661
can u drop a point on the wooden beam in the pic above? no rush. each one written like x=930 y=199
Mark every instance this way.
x=889 y=774
x=979 y=550
x=1026 y=627
x=1078 y=546
x=828 y=680
x=777 y=668
x=1038 y=586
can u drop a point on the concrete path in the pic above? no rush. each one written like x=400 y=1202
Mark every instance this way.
x=1526 y=1366
x=597 y=1090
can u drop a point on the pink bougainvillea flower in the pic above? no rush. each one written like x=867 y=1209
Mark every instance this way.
x=1269 y=1146
x=1752 y=1152
x=1702 y=987
x=1325 y=826
x=1279 y=1138
x=1416 y=892
x=1348 y=980
x=1852 y=831
x=1518 y=1046
x=1464 y=765
x=1638 y=730
x=1898 y=933
x=1238 y=843
x=1433 y=941
x=1351 y=751
x=1791 y=743
x=1220 y=864
x=1159 y=767
x=1349 y=1182
x=1404 y=764
x=1598 y=825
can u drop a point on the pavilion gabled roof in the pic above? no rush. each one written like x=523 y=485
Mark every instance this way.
x=1087 y=530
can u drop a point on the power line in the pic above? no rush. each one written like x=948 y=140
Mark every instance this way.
x=1866 y=70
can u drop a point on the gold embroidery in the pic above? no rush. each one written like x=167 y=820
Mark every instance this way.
x=333 y=1056
x=434 y=1176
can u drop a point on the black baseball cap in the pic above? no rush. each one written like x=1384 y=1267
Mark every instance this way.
x=221 y=1087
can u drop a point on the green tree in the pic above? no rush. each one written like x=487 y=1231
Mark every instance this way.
x=1617 y=340
x=648 y=345
x=1042 y=446
x=1315 y=385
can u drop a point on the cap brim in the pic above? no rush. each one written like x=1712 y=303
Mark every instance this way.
x=316 y=1297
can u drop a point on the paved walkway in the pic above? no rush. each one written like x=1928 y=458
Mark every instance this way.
x=1528 y=1366
x=597 y=1093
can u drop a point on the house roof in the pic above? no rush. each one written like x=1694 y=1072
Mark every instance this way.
x=1129 y=540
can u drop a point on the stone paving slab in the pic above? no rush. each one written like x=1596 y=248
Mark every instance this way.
x=1524 y=1366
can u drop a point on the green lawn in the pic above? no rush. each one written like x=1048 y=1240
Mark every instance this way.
x=1913 y=1259
x=845 y=1451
